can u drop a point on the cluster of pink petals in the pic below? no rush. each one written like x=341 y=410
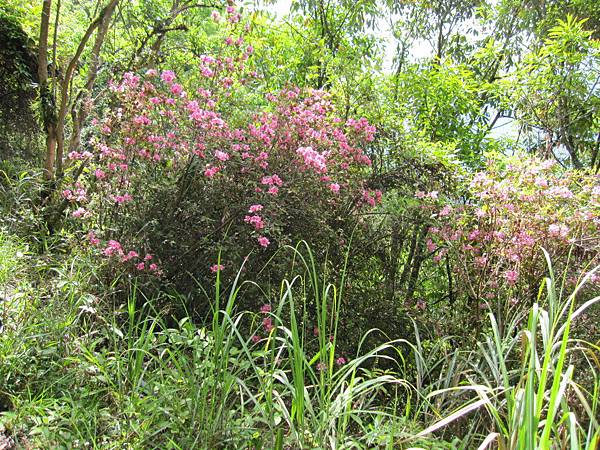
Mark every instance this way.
x=81 y=213
x=124 y=198
x=216 y=268
x=263 y=241
x=256 y=221
x=313 y=159
x=372 y=198
x=161 y=124
x=272 y=180
x=432 y=195
x=521 y=208
x=267 y=323
x=511 y=276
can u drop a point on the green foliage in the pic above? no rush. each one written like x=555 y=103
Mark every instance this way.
x=75 y=372
x=527 y=377
x=18 y=74
x=555 y=91
x=89 y=359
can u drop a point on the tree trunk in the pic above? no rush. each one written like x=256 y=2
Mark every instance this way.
x=46 y=97
x=391 y=269
x=418 y=259
x=409 y=259
x=65 y=85
x=80 y=108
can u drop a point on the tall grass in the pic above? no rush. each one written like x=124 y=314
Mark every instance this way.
x=77 y=372
x=128 y=376
x=524 y=378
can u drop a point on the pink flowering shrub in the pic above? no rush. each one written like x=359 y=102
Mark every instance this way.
x=179 y=172
x=495 y=241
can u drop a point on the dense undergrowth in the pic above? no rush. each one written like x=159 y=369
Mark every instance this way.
x=79 y=371
x=223 y=229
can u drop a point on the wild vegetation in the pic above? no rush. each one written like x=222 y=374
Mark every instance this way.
x=346 y=225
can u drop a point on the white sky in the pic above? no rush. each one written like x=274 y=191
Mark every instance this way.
x=420 y=49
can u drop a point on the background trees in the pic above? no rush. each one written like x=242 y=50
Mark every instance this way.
x=498 y=79
x=425 y=152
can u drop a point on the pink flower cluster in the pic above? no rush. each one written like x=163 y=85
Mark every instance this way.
x=519 y=210
x=158 y=126
x=114 y=249
x=313 y=159
x=256 y=221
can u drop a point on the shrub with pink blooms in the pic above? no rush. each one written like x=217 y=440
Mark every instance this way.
x=517 y=207
x=184 y=172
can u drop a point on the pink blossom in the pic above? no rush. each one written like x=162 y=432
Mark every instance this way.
x=113 y=247
x=255 y=338
x=92 y=239
x=334 y=187
x=557 y=230
x=130 y=255
x=267 y=323
x=142 y=120
x=511 y=276
x=100 y=174
x=211 y=171
x=176 y=89
x=273 y=190
x=222 y=156
x=559 y=191
x=481 y=261
x=140 y=266
x=272 y=180
x=431 y=245
x=340 y=361
x=255 y=220
x=255 y=208
x=168 y=76
x=81 y=212
x=266 y=308
x=499 y=235
x=368 y=199
x=207 y=72
x=120 y=199
x=313 y=159
x=215 y=16
x=445 y=211
x=216 y=268
x=263 y=241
